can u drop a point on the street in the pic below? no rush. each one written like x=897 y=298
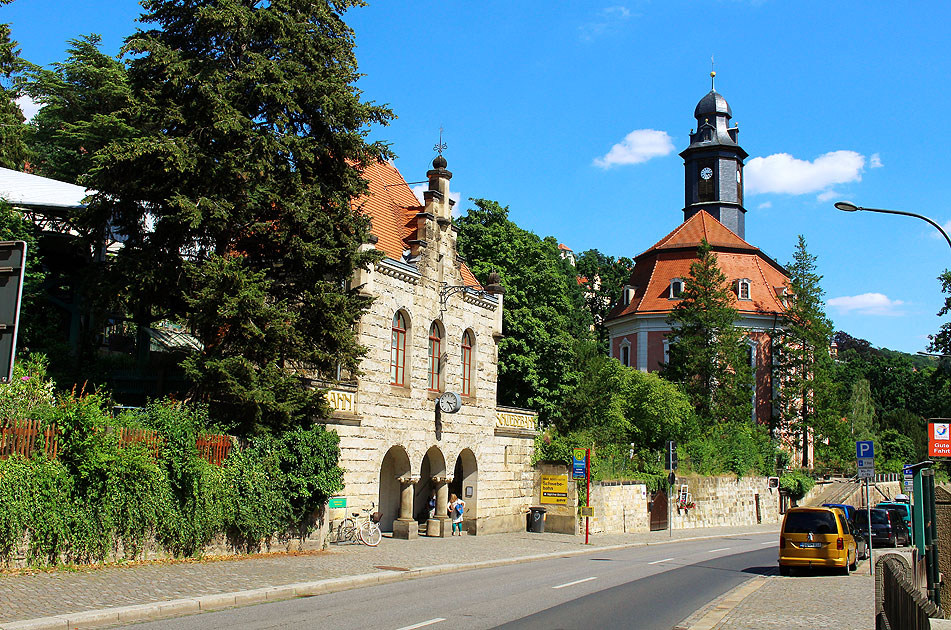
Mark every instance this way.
x=648 y=588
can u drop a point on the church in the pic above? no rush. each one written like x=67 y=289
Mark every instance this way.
x=713 y=210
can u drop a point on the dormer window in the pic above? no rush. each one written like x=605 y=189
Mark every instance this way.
x=627 y=295
x=783 y=294
x=743 y=289
x=676 y=288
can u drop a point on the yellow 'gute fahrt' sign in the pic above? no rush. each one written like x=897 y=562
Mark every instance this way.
x=554 y=490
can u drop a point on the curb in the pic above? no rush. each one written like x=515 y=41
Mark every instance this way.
x=219 y=601
x=709 y=617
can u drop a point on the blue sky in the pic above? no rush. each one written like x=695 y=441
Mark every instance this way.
x=572 y=114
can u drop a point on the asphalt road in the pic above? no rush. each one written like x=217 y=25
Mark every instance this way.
x=647 y=588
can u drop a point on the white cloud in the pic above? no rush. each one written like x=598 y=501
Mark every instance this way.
x=828 y=195
x=867 y=304
x=419 y=190
x=28 y=107
x=605 y=21
x=782 y=173
x=875 y=161
x=765 y=205
x=638 y=146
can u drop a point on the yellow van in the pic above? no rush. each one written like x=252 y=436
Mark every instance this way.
x=816 y=537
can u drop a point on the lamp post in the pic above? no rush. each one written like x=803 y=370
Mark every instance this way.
x=848 y=206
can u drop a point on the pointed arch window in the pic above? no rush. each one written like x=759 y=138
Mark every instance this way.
x=435 y=352
x=398 y=350
x=467 y=344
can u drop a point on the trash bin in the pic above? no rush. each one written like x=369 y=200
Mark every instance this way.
x=536 y=520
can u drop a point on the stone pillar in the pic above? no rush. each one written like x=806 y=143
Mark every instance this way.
x=440 y=525
x=405 y=526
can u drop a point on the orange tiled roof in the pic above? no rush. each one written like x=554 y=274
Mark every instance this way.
x=672 y=256
x=392 y=207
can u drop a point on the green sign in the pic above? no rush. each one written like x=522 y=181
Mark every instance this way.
x=337 y=502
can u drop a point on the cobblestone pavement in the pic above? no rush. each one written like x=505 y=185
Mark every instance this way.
x=54 y=593
x=806 y=602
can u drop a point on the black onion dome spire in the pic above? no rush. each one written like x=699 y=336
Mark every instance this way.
x=711 y=105
x=439 y=162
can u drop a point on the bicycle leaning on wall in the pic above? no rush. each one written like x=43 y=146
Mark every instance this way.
x=367 y=530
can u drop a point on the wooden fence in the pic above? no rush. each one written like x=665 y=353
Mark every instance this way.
x=26 y=437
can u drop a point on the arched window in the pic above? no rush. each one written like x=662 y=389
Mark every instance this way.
x=435 y=351
x=398 y=350
x=467 y=343
x=676 y=288
x=743 y=289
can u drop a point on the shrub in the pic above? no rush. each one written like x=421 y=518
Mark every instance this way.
x=796 y=484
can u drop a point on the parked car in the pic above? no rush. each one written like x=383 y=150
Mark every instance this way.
x=816 y=537
x=888 y=528
x=900 y=506
x=849 y=510
x=861 y=546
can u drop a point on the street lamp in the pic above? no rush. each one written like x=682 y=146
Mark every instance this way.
x=848 y=206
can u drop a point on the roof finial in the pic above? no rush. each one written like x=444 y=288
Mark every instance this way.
x=442 y=145
x=713 y=74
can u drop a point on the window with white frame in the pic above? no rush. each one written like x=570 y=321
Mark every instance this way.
x=625 y=353
x=743 y=289
x=676 y=288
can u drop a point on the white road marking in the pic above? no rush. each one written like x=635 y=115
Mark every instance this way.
x=772 y=542
x=422 y=624
x=720 y=549
x=659 y=561
x=575 y=582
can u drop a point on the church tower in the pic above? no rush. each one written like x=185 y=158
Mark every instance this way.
x=713 y=165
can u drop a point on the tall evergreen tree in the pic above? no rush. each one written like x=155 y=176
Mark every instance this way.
x=861 y=411
x=87 y=102
x=802 y=350
x=234 y=200
x=13 y=152
x=708 y=354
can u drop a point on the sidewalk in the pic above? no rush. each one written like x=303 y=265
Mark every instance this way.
x=64 y=599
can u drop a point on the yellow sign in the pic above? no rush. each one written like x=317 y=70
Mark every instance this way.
x=554 y=490
x=342 y=401
x=509 y=420
x=587 y=511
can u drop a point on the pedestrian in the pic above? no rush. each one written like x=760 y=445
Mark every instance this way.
x=456 y=507
x=432 y=504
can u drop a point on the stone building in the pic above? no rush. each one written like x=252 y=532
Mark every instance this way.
x=713 y=210
x=421 y=419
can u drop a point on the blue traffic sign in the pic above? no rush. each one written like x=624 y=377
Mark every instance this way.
x=864 y=449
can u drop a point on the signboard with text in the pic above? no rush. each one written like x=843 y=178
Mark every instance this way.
x=939 y=437
x=579 y=461
x=554 y=490
x=865 y=459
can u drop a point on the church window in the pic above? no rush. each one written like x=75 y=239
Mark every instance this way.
x=435 y=352
x=398 y=350
x=625 y=357
x=743 y=289
x=467 y=344
x=676 y=288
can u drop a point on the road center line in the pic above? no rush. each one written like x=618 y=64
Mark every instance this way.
x=720 y=549
x=659 y=561
x=422 y=624
x=575 y=582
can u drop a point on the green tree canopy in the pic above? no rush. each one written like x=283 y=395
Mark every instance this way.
x=602 y=278
x=543 y=313
x=239 y=182
x=87 y=102
x=708 y=353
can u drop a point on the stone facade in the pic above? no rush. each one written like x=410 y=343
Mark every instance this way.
x=398 y=448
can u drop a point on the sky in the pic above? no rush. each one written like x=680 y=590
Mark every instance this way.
x=572 y=114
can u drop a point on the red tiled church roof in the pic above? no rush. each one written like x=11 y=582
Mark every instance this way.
x=392 y=207
x=672 y=256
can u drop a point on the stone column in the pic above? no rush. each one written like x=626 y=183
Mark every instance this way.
x=405 y=526
x=440 y=525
